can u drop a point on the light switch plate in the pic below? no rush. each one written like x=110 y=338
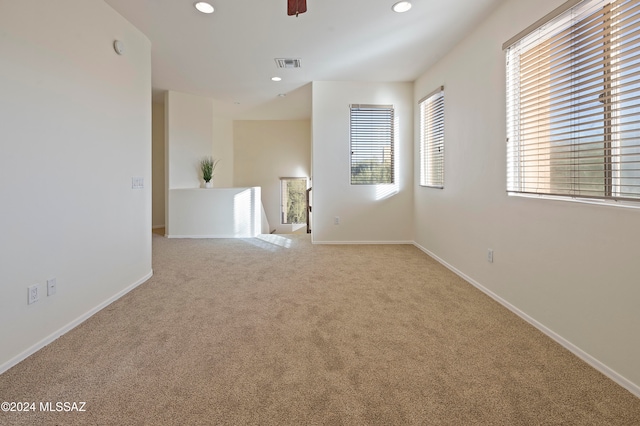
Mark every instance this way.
x=52 y=286
x=137 y=182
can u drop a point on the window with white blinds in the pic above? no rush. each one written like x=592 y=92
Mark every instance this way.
x=573 y=104
x=372 y=144
x=432 y=139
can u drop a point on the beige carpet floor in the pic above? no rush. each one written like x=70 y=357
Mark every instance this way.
x=282 y=332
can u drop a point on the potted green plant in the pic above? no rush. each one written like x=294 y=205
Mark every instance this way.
x=208 y=165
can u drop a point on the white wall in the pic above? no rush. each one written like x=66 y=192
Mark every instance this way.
x=222 y=146
x=76 y=127
x=215 y=213
x=571 y=267
x=157 y=136
x=192 y=132
x=368 y=213
x=189 y=135
x=265 y=151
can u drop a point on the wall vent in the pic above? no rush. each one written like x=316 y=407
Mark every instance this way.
x=287 y=62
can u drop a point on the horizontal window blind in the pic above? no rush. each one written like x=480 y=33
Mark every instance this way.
x=372 y=144
x=573 y=104
x=432 y=140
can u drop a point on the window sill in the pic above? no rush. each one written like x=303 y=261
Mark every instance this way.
x=593 y=201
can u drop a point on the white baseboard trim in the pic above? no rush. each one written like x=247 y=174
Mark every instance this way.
x=593 y=362
x=70 y=326
x=363 y=242
x=212 y=236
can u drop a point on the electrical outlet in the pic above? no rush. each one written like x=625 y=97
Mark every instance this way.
x=32 y=294
x=490 y=255
x=52 y=286
x=336 y=220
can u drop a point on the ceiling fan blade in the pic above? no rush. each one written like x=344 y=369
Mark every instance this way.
x=295 y=7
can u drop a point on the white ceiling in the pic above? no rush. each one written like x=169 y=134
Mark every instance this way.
x=229 y=55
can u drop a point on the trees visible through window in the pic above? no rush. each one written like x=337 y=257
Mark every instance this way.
x=372 y=140
x=293 y=200
x=573 y=104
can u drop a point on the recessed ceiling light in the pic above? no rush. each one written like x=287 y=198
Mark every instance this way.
x=401 y=6
x=282 y=95
x=204 y=7
x=276 y=78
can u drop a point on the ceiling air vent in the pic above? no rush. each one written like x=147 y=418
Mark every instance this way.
x=287 y=63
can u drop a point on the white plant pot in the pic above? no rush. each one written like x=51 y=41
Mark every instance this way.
x=208 y=184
